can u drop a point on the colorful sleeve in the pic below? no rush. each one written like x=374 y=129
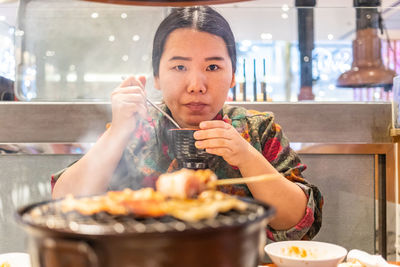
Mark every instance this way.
x=56 y=176
x=276 y=149
x=140 y=137
x=137 y=167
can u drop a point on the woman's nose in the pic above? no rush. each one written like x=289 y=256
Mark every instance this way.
x=196 y=83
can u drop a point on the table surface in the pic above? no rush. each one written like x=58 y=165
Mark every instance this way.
x=273 y=265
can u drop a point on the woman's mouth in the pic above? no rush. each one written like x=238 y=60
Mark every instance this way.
x=195 y=106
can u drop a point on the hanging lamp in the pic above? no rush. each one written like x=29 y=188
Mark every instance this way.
x=367 y=69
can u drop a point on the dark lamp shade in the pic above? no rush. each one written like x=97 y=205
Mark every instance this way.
x=175 y=3
x=366 y=77
x=367 y=69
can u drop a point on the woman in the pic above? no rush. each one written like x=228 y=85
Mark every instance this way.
x=194 y=59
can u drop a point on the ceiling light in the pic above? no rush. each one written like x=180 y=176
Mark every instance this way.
x=124 y=15
x=125 y=58
x=145 y=57
x=72 y=77
x=266 y=36
x=19 y=33
x=94 y=15
x=50 y=53
x=136 y=38
x=111 y=38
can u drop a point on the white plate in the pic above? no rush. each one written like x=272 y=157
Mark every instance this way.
x=16 y=259
x=319 y=254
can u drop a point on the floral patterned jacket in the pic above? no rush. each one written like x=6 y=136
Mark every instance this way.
x=149 y=154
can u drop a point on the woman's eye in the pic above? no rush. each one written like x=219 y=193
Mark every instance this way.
x=213 y=67
x=180 y=68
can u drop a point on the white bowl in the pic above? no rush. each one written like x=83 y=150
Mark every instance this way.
x=16 y=259
x=315 y=254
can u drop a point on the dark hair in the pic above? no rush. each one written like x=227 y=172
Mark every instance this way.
x=202 y=18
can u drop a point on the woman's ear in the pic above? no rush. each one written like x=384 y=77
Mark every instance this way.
x=157 y=83
x=233 y=82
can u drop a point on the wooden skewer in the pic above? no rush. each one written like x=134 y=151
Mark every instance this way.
x=259 y=178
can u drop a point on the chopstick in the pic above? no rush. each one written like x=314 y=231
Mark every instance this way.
x=159 y=109
x=163 y=112
x=259 y=178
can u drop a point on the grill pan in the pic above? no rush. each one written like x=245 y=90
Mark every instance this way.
x=57 y=239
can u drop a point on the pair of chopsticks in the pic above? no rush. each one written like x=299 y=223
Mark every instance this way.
x=245 y=180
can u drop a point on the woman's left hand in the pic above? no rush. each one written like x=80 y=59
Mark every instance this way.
x=220 y=138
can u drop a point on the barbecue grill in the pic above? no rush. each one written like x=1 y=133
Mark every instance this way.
x=234 y=238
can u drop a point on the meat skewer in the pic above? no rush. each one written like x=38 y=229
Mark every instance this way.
x=186 y=194
x=184 y=183
x=244 y=180
x=189 y=183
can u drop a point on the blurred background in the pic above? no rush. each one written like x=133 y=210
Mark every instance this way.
x=69 y=50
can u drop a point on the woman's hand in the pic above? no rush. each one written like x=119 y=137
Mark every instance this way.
x=220 y=138
x=128 y=104
x=93 y=172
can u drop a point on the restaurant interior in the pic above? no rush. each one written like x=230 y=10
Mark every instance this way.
x=325 y=68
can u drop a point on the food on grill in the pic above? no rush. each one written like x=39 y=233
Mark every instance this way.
x=143 y=202
x=207 y=205
x=185 y=183
x=153 y=204
x=175 y=196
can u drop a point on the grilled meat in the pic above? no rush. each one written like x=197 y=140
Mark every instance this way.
x=174 y=196
x=184 y=183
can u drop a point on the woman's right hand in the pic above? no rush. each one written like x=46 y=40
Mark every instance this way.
x=128 y=105
x=93 y=172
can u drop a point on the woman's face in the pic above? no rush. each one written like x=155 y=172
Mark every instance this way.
x=195 y=76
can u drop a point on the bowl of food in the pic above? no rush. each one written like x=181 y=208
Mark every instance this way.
x=185 y=151
x=15 y=259
x=305 y=253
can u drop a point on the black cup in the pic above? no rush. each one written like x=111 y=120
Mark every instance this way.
x=186 y=153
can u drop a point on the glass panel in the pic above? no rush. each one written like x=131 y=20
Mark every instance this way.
x=79 y=51
x=7 y=61
x=75 y=50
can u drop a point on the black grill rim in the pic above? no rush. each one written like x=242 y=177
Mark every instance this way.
x=268 y=212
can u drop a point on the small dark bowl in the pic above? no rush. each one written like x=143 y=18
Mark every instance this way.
x=186 y=153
